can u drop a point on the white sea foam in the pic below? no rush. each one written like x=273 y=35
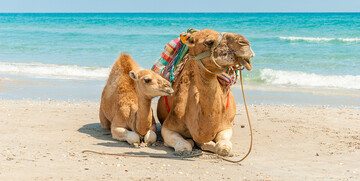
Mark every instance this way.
x=318 y=39
x=55 y=71
x=296 y=78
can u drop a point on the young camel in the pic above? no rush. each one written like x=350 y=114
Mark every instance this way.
x=125 y=106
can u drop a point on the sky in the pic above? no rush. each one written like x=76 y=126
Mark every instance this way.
x=42 y=6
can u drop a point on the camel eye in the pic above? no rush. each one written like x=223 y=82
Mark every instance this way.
x=242 y=43
x=147 y=80
x=209 y=43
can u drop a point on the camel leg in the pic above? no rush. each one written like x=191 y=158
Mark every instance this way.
x=175 y=140
x=150 y=136
x=123 y=134
x=191 y=141
x=209 y=146
x=223 y=144
x=105 y=123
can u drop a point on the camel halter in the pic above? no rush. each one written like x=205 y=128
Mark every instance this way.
x=207 y=54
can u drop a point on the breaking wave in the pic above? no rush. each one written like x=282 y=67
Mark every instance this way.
x=318 y=39
x=269 y=76
x=297 y=78
x=55 y=71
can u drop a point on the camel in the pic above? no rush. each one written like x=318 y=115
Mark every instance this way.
x=202 y=110
x=125 y=106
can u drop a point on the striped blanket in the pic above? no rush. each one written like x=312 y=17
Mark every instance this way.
x=169 y=58
x=172 y=61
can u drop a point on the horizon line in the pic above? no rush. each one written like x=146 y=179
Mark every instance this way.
x=85 y=12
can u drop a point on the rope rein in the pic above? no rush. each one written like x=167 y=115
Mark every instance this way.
x=250 y=127
x=195 y=154
x=209 y=53
x=142 y=156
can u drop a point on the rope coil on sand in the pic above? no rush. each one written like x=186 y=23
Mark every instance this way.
x=143 y=156
x=195 y=154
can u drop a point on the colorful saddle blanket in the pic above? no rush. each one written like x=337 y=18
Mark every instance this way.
x=173 y=58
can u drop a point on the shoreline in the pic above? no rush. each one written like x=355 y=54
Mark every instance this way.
x=41 y=89
x=43 y=140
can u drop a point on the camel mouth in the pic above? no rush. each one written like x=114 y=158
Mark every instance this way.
x=246 y=63
x=168 y=92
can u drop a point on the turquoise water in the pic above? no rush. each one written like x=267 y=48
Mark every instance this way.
x=306 y=50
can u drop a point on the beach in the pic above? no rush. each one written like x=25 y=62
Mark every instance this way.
x=303 y=95
x=44 y=140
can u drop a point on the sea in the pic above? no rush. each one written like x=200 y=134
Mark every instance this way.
x=301 y=58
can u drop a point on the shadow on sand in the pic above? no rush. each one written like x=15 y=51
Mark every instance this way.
x=95 y=130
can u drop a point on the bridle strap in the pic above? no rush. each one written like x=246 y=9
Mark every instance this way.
x=208 y=53
x=216 y=45
x=198 y=59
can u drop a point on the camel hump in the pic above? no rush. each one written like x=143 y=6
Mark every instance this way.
x=125 y=63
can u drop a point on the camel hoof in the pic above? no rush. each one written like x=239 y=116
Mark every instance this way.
x=182 y=146
x=223 y=148
x=150 y=137
x=133 y=138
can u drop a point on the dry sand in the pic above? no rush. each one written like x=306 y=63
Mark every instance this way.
x=43 y=140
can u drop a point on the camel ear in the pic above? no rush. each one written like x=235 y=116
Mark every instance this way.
x=133 y=75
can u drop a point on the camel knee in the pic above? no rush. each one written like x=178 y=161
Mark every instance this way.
x=183 y=146
x=150 y=137
x=224 y=135
x=132 y=138
x=119 y=133
x=166 y=134
x=209 y=146
x=223 y=148
x=223 y=144
x=175 y=140
x=123 y=134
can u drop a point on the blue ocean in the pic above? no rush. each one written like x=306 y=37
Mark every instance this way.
x=304 y=58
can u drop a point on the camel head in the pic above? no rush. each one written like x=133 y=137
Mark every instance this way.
x=150 y=83
x=227 y=49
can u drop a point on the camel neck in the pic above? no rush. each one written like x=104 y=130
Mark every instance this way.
x=202 y=77
x=208 y=86
x=144 y=114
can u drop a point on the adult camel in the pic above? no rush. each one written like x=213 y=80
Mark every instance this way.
x=201 y=109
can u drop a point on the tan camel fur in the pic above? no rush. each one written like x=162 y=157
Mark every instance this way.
x=198 y=106
x=126 y=101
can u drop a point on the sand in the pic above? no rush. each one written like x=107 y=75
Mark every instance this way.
x=43 y=140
